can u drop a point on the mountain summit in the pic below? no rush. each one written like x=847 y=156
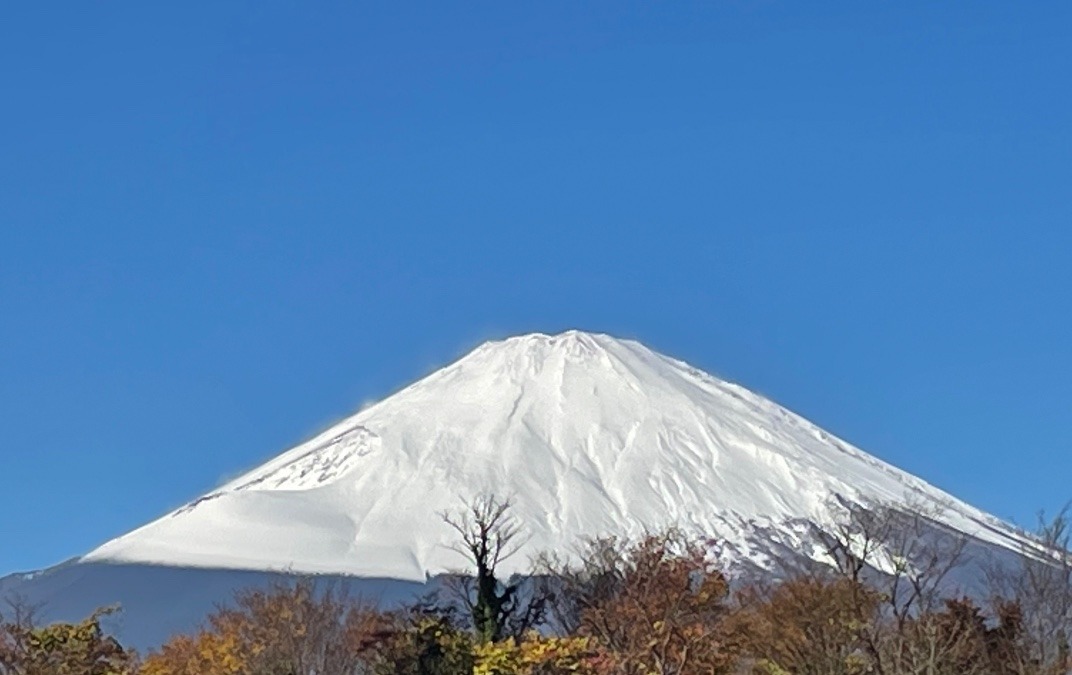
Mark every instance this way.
x=585 y=433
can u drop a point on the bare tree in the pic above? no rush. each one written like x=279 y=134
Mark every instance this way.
x=907 y=552
x=17 y=623
x=1040 y=586
x=908 y=555
x=594 y=576
x=853 y=542
x=489 y=534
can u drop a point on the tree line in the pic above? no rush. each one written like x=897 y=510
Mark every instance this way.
x=882 y=599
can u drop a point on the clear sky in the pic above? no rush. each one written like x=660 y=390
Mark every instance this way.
x=224 y=225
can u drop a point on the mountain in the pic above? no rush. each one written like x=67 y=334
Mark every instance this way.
x=586 y=434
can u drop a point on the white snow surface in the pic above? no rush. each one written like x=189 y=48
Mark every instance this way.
x=588 y=435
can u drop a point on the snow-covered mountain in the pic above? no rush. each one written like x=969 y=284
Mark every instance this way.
x=586 y=434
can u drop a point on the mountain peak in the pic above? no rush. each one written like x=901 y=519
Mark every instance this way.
x=587 y=434
x=572 y=343
x=565 y=338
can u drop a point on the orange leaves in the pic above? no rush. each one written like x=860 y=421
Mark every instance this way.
x=288 y=628
x=207 y=652
x=660 y=607
x=808 y=625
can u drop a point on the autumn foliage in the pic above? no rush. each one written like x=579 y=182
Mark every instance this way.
x=807 y=625
x=60 y=648
x=288 y=629
x=661 y=605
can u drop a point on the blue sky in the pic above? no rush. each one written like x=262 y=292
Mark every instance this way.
x=224 y=225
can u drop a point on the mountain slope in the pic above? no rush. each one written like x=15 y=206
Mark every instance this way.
x=587 y=434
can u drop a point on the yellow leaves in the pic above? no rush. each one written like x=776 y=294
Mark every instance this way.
x=208 y=652
x=62 y=649
x=495 y=658
x=415 y=645
x=535 y=655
